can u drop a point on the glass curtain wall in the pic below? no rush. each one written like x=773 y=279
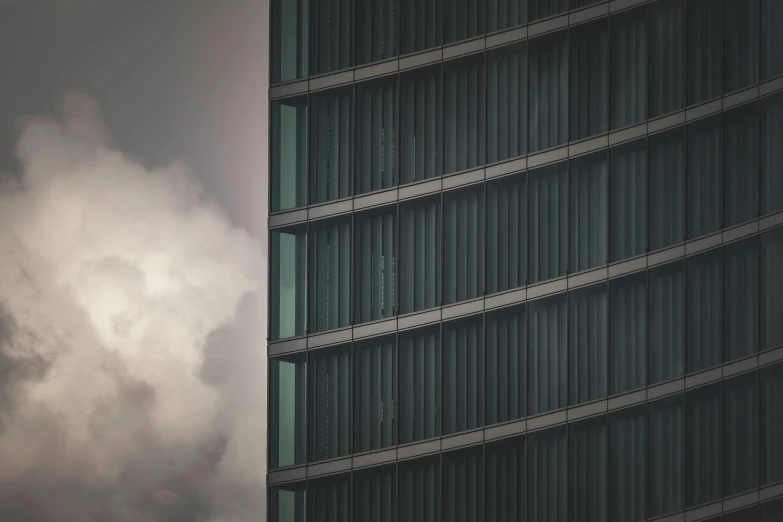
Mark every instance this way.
x=507 y=102
x=420 y=254
x=506 y=233
x=288 y=154
x=464 y=112
x=330 y=274
x=288 y=282
x=330 y=144
x=376 y=134
x=463 y=244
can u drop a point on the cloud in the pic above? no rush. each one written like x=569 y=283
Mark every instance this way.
x=131 y=356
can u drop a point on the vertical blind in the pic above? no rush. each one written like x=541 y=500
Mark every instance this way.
x=376 y=134
x=667 y=176
x=771 y=289
x=587 y=340
x=502 y=14
x=741 y=44
x=771 y=424
x=740 y=164
x=772 y=152
x=420 y=26
x=548 y=475
x=740 y=426
x=628 y=200
x=704 y=445
x=506 y=233
x=506 y=365
x=288 y=154
x=289 y=29
x=464 y=110
x=705 y=42
x=587 y=470
x=330 y=145
x=463 y=375
x=704 y=176
x=771 y=39
x=329 y=499
x=374 y=495
x=419 y=496
x=330 y=274
x=375 y=379
x=547 y=354
x=628 y=333
x=548 y=91
x=666 y=456
x=667 y=57
x=666 y=328
x=627 y=465
x=287 y=411
x=629 y=67
x=545 y=8
x=741 y=310
x=704 y=308
x=463 y=19
x=463 y=244
x=419 y=412
x=588 y=215
x=331 y=45
x=376 y=265
x=421 y=119
x=420 y=255
x=506 y=480
x=588 y=77
x=330 y=403
x=548 y=222
x=376 y=30
x=463 y=485
x=507 y=102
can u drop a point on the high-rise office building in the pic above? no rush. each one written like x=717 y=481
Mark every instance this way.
x=526 y=260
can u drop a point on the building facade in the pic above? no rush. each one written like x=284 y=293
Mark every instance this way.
x=526 y=261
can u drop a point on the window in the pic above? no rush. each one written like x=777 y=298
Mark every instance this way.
x=421 y=122
x=771 y=424
x=587 y=340
x=463 y=244
x=288 y=154
x=548 y=91
x=771 y=39
x=375 y=378
x=330 y=274
x=506 y=233
x=705 y=41
x=587 y=470
x=740 y=305
x=771 y=289
x=628 y=200
x=667 y=57
x=376 y=264
x=740 y=426
x=463 y=375
x=547 y=354
x=420 y=25
x=628 y=334
x=288 y=282
x=376 y=28
x=375 y=494
x=666 y=317
x=330 y=145
x=772 y=511
x=289 y=28
x=506 y=480
x=420 y=255
x=330 y=403
x=329 y=499
x=750 y=514
x=419 y=486
x=464 y=105
x=772 y=153
x=589 y=227
x=376 y=134
x=666 y=222
x=502 y=14
x=704 y=445
x=627 y=464
x=546 y=8
x=665 y=437
x=507 y=102
x=287 y=411
x=628 y=62
x=741 y=44
x=331 y=45
x=548 y=475
x=704 y=176
x=704 y=305
x=287 y=503
x=419 y=385
x=740 y=164
x=548 y=222
x=463 y=19
x=463 y=485
x=588 y=77
x=506 y=364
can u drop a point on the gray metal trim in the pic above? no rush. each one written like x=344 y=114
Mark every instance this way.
x=463 y=439
x=464 y=48
x=769 y=492
x=589 y=145
x=626 y=267
x=676 y=517
x=410 y=321
x=619 y=5
x=587 y=410
x=331 y=80
x=286 y=90
x=703 y=243
x=420 y=189
x=463 y=178
x=743 y=365
x=715 y=508
x=376 y=199
x=585 y=278
x=771 y=221
x=771 y=356
x=771 y=86
x=419 y=59
x=327 y=468
x=507 y=298
x=550 y=156
x=548 y=288
x=702 y=378
x=330 y=209
x=664 y=256
x=583 y=15
x=546 y=420
x=287 y=218
x=419 y=448
x=705 y=109
x=505 y=430
x=627 y=134
x=628 y=399
x=506 y=37
x=464 y=308
x=740 y=97
x=286 y=475
x=507 y=167
x=547 y=26
x=377 y=328
x=667 y=388
x=377 y=69
x=741 y=501
x=280 y=348
x=672 y=120
x=332 y=337
x=741 y=231
x=378 y=457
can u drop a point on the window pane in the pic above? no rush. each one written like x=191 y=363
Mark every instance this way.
x=548 y=91
x=464 y=105
x=288 y=142
x=771 y=39
x=666 y=188
x=547 y=347
x=463 y=485
x=287 y=277
x=627 y=468
x=741 y=432
x=666 y=456
x=463 y=19
x=704 y=166
x=628 y=323
x=507 y=233
x=330 y=145
x=376 y=27
x=420 y=25
x=419 y=486
x=463 y=375
x=588 y=77
x=705 y=41
x=750 y=514
x=419 y=385
x=506 y=364
x=506 y=480
x=287 y=503
x=332 y=41
x=502 y=14
x=667 y=57
x=667 y=297
x=548 y=475
x=420 y=124
x=741 y=282
x=548 y=224
x=287 y=411
x=289 y=28
x=463 y=247
x=330 y=274
x=704 y=444
x=375 y=494
x=771 y=289
x=704 y=305
x=330 y=403
x=376 y=264
x=741 y=44
x=375 y=383
x=376 y=134
x=589 y=228
x=628 y=200
x=587 y=470
x=545 y=8
x=507 y=102
x=329 y=499
x=741 y=164
x=587 y=339
x=771 y=424
x=420 y=253
x=628 y=67
x=772 y=511
x=772 y=153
